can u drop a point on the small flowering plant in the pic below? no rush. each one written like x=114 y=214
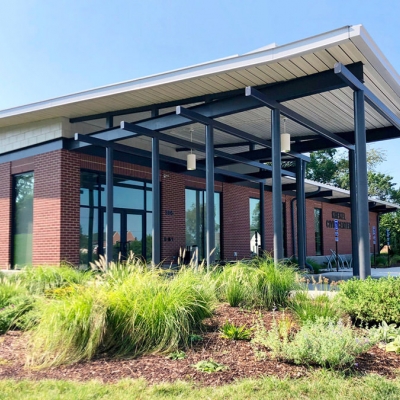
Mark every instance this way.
x=324 y=342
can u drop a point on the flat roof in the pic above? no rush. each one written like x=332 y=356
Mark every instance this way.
x=269 y=65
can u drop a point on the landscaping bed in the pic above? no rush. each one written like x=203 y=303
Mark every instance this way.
x=237 y=355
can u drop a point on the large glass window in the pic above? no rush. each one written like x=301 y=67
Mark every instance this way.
x=255 y=237
x=131 y=219
x=318 y=231
x=195 y=212
x=23 y=219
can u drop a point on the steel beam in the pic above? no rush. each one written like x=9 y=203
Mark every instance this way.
x=219 y=146
x=194 y=116
x=109 y=203
x=210 y=208
x=262 y=217
x=294 y=116
x=370 y=98
x=142 y=153
x=321 y=194
x=276 y=185
x=301 y=213
x=361 y=186
x=197 y=146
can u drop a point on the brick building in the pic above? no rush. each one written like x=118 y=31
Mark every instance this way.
x=56 y=193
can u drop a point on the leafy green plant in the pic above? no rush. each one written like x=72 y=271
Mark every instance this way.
x=394 y=346
x=177 y=355
x=330 y=344
x=233 y=332
x=193 y=338
x=209 y=366
x=387 y=334
x=306 y=308
x=384 y=332
x=371 y=300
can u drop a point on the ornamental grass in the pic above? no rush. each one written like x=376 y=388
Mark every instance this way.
x=147 y=311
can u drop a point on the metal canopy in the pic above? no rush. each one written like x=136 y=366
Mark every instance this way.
x=319 y=83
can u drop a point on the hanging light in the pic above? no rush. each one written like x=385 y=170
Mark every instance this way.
x=191 y=157
x=285 y=138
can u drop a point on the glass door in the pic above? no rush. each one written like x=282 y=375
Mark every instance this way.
x=127 y=234
x=134 y=235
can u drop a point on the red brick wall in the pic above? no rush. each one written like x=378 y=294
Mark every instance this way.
x=56 y=208
x=5 y=214
x=70 y=207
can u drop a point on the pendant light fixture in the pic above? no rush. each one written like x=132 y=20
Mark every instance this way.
x=191 y=157
x=285 y=138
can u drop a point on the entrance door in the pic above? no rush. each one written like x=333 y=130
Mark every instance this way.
x=127 y=234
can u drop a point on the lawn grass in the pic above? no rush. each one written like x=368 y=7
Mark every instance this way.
x=319 y=385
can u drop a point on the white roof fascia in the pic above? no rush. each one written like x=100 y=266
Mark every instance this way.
x=343 y=191
x=363 y=41
x=275 y=54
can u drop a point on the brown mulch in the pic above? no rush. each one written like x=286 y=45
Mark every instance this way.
x=237 y=355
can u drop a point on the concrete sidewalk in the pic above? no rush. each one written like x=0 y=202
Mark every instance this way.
x=344 y=275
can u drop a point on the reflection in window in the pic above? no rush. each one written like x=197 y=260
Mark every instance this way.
x=195 y=218
x=23 y=218
x=255 y=237
x=318 y=231
x=130 y=197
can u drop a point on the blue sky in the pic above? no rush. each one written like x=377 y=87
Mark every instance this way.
x=51 y=48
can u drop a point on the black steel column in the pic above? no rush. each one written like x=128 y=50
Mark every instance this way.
x=262 y=216
x=210 y=221
x=354 y=218
x=276 y=185
x=109 y=203
x=362 y=185
x=155 y=179
x=301 y=212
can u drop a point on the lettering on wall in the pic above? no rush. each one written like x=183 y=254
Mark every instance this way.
x=341 y=216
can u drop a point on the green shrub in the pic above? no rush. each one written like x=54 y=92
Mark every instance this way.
x=306 y=308
x=330 y=344
x=371 y=300
x=379 y=261
x=316 y=267
x=233 y=332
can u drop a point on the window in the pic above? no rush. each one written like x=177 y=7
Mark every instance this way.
x=195 y=221
x=318 y=231
x=255 y=237
x=132 y=217
x=23 y=219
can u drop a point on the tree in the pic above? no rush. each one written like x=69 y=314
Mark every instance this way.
x=322 y=166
